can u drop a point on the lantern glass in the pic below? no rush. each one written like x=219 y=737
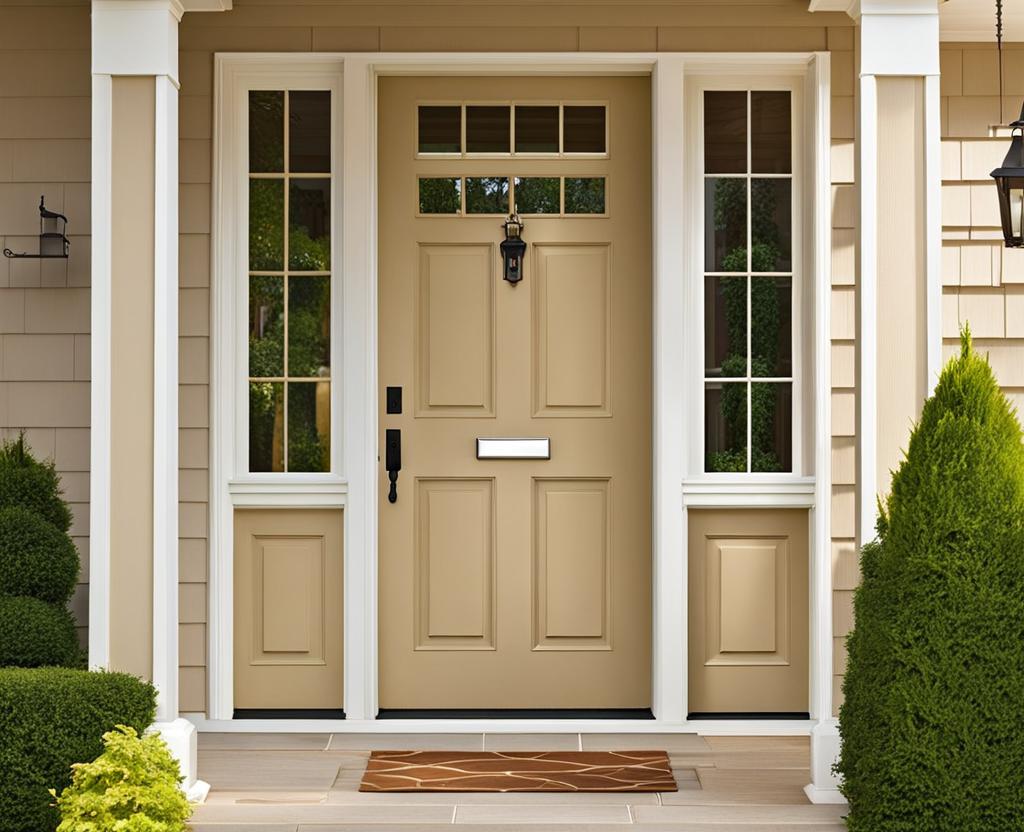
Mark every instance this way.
x=51 y=245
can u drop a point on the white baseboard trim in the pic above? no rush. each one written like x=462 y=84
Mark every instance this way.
x=816 y=795
x=704 y=727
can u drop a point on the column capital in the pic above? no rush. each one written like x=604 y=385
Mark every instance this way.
x=140 y=37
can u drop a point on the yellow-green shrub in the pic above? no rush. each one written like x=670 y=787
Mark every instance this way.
x=133 y=786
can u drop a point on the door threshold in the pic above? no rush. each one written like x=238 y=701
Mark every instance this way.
x=747 y=715
x=289 y=713
x=517 y=713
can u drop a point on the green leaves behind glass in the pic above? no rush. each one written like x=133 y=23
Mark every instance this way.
x=266 y=426
x=440 y=195
x=266 y=225
x=486 y=194
x=538 y=194
x=725 y=427
x=266 y=326
x=309 y=225
x=584 y=195
x=309 y=326
x=309 y=426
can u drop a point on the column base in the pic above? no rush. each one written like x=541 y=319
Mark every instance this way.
x=183 y=741
x=824 y=785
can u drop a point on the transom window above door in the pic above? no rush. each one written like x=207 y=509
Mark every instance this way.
x=558 y=129
x=750 y=284
x=289 y=280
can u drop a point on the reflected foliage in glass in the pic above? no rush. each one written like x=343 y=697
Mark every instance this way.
x=309 y=227
x=584 y=195
x=725 y=327
x=266 y=326
x=538 y=195
x=266 y=224
x=266 y=426
x=440 y=195
x=309 y=326
x=725 y=225
x=771 y=420
x=725 y=426
x=486 y=194
x=309 y=426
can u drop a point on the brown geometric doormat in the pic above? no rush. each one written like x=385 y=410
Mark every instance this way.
x=518 y=771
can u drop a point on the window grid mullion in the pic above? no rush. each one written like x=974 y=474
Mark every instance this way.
x=285 y=224
x=750 y=269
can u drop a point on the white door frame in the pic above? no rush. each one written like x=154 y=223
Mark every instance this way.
x=356 y=489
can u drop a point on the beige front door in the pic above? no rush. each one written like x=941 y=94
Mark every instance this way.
x=288 y=609
x=516 y=583
x=748 y=611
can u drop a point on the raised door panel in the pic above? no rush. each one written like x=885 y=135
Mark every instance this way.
x=288 y=609
x=455 y=339
x=454 y=567
x=572 y=565
x=572 y=350
x=748 y=611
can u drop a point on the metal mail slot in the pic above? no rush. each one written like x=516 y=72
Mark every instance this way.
x=496 y=448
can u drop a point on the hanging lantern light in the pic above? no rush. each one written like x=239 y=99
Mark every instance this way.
x=1009 y=179
x=53 y=239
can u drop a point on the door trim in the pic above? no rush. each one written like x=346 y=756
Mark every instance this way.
x=359 y=417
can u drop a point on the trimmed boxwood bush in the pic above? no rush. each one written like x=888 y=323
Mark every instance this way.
x=35 y=485
x=934 y=690
x=51 y=718
x=36 y=558
x=36 y=634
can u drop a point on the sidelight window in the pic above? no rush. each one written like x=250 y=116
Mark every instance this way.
x=289 y=281
x=748 y=200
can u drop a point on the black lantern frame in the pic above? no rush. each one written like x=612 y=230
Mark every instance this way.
x=513 y=247
x=1009 y=178
x=53 y=240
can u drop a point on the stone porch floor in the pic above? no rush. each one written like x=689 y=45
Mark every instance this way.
x=309 y=783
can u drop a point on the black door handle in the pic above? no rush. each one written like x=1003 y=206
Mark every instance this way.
x=393 y=460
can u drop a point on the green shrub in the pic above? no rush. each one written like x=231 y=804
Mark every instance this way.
x=51 y=718
x=934 y=690
x=36 y=634
x=133 y=786
x=36 y=558
x=35 y=485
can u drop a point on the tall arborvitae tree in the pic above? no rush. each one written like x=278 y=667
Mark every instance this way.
x=933 y=719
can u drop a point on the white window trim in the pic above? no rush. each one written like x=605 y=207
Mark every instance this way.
x=357 y=486
x=733 y=486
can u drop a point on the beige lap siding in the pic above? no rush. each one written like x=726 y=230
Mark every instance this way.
x=44 y=304
x=983 y=282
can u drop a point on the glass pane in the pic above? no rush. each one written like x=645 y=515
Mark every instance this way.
x=309 y=225
x=725 y=132
x=725 y=225
x=486 y=194
x=266 y=132
x=725 y=427
x=440 y=129
x=538 y=195
x=771 y=323
x=725 y=327
x=487 y=129
x=771 y=225
x=309 y=326
x=266 y=225
x=584 y=195
x=266 y=426
x=770 y=132
x=771 y=426
x=583 y=130
x=536 y=129
x=309 y=136
x=266 y=327
x=309 y=426
x=440 y=195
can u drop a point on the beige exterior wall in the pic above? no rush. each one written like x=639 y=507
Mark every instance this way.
x=44 y=304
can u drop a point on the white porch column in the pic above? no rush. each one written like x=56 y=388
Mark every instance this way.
x=133 y=610
x=899 y=250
